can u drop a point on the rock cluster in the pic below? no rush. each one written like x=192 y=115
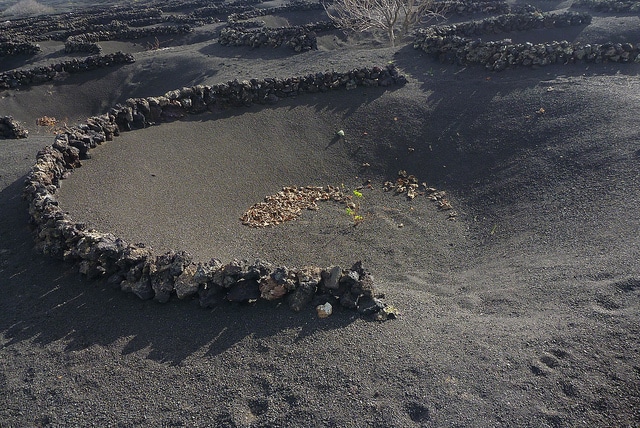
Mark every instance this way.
x=617 y=6
x=453 y=43
x=10 y=128
x=407 y=184
x=289 y=203
x=134 y=267
x=37 y=75
x=300 y=38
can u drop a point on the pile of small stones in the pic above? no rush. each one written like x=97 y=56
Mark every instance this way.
x=452 y=44
x=10 y=128
x=16 y=78
x=134 y=267
x=408 y=184
x=617 y=6
x=289 y=203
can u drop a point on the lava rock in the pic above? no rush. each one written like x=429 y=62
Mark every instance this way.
x=302 y=295
x=185 y=285
x=331 y=278
x=141 y=288
x=244 y=291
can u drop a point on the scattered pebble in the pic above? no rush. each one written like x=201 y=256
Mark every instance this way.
x=324 y=310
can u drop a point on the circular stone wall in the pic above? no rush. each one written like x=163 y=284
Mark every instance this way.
x=185 y=184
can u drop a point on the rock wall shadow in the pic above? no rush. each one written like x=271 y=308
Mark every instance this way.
x=339 y=102
x=483 y=124
x=46 y=301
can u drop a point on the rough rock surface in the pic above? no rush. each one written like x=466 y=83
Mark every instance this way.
x=11 y=128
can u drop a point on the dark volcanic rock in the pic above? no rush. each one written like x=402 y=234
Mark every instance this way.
x=244 y=291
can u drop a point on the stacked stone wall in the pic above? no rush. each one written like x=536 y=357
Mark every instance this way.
x=10 y=128
x=454 y=43
x=136 y=268
x=37 y=75
x=503 y=24
x=125 y=15
x=300 y=38
x=12 y=48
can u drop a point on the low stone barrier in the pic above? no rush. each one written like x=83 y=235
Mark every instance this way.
x=503 y=54
x=453 y=43
x=300 y=38
x=503 y=24
x=88 y=40
x=136 y=268
x=10 y=128
x=12 y=48
x=83 y=43
x=143 y=112
x=37 y=75
x=121 y=13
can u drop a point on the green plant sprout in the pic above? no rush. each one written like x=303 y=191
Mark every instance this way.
x=353 y=208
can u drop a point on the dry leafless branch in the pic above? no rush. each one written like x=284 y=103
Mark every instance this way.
x=394 y=17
